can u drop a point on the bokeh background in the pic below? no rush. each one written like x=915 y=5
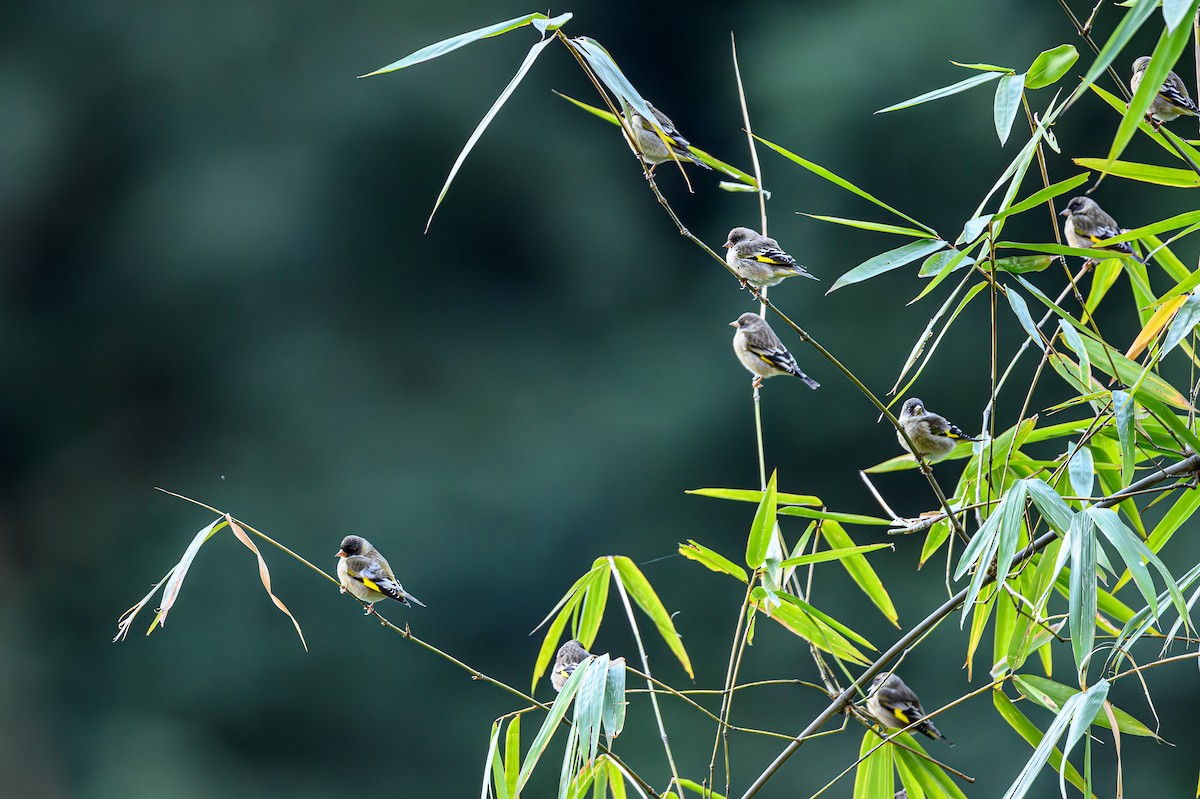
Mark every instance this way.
x=215 y=280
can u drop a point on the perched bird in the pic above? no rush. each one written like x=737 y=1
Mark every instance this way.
x=1087 y=223
x=761 y=351
x=1172 y=100
x=901 y=794
x=758 y=260
x=933 y=436
x=366 y=574
x=653 y=149
x=894 y=705
x=569 y=656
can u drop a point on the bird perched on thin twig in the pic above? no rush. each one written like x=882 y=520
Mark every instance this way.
x=1172 y=100
x=1087 y=223
x=894 y=705
x=932 y=435
x=761 y=351
x=569 y=656
x=759 y=260
x=366 y=575
x=650 y=145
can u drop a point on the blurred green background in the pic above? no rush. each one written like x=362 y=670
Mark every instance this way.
x=215 y=280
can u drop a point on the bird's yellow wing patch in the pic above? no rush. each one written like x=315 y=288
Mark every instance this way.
x=900 y=714
x=766 y=259
x=370 y=584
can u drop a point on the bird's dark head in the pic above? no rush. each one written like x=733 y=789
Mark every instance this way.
x=352 y=545
x=748 y=319
x=878 y=681
x=912 y=407
x=1078 y=205
x=738 y=235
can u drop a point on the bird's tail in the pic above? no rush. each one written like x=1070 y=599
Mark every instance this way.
x=406 y=597
x=808 y=381
x=927 y=728
x=695 y=160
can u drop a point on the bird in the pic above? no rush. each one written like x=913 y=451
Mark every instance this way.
x=901 y=794
x=894 y=705
x=1087 y=223
x=651 y=147
x=1172 y=100
x=759 y=261
x=761 y=351
x=569 y=656
x=933 y=436
x=365 y=574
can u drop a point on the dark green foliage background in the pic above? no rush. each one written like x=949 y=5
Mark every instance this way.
x=215 y=280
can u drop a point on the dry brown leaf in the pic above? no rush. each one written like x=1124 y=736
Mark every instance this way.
x=264 y=574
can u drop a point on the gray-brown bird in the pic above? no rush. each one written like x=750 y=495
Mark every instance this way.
x=569 y=656
x=894 y=705
x=761 y=351
x=366 y=575
x=1087 y=223
x=759 y=260
x=1172 y=100
x=933 y=436
x=650 y=145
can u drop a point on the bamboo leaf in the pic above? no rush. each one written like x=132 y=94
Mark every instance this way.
x=1033 y=736
x=874 y=776
x=763 y=527
x=844 y=518
x=643 y=594
x=1021 y=311
x=887 y=261
x=595 y=599
x=1050 y=65
x=264 y=574
x=1007 y=103
x=945 y=91
x=551 y=723
x=860 y=570
x=712 y=560
x=1183 y=324
x=1043 y=751
x=462 y=40
x=1082 y=597
x=1120 y=37
x=826 y=555
x=1044 y=195
x=1124 y=413
x=614 y=700
x=878 y=227
x=756 y=496
x=534 y=52
x=1146 y=173
x=1176 y=11
x=180 y=570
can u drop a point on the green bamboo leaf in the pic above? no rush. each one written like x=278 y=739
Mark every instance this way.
x=522 y=70
x=874 y=777
x=982 y=67
x=1124 y=414
x=826 y=555
x=763 y=527
x=940 y=260
x=1082 y=598
x=1007 y=103
x=1172 y=422
x=545 y=25
x=1133 y=551
x=860 y=570
x=885 y=262
x=1120 y=37
x=945 y=91
x=614 y=700
x=589 y=706
x=1161 y=136
x=1166 y=53
x=1082 y=470
x=595 y=598
x=1050 y=65
x=1075 y=342
x=1021 y=264
x=1052 y=249
x=819 y=629
x=1054 y=510
x=714 y=561
x=844 y=518
x=1146 y=173
x=755 y=495
x=822 y=172
x=878 y=227
x=1171 y=521
x=1021 y=311
x=606 y=69
x=1033 y=736
x=1053 y=695
x=973 y=229
x=551 y=723
x=512 y=756
x=1171 y=223
x=643 y=594
x=1043 y=751
x=1182 y=325
x=697 y=788
x=919 y=346
x=462 y=40
x=930 y=778
x=1043 y=196
x=1176 y=11
x=492 y=769
x=564 y=609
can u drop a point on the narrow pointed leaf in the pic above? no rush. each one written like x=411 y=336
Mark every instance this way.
x=1033 y=736
x=1183 y=324
x=1175 y=11
x=455 y=42
x=844 y=518
x=875 y=776
x=887 y=261
x=1043 y=196
x=595 y=598
x=878 y=227
x=1082 y=599
x=643 y=594
x=1146 y=173
x=713 y=560
x=860 y=570
x=614 y=700
x=1082 y=470
x=264 y=574
x=534 y=52
x=1126 y=28
x=945 y=91
x=1124 y=413
x=1021 y=311
x=179 y=572
x=1007 y=103
x=763 y=527
x=512 y=756
x=551 y=723
x=755 y=496
x=1041 y=753
x=826 y=555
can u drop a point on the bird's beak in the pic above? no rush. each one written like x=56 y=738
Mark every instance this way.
x=1065 y=212
x=733 y=323
x=727 y=244
x=342 y=554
